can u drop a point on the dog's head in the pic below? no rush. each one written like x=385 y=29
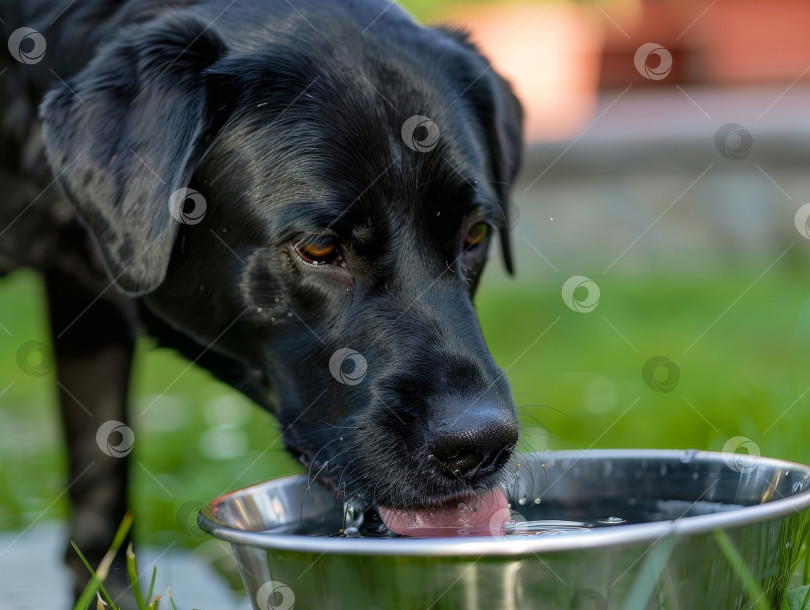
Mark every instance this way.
x=309 y=217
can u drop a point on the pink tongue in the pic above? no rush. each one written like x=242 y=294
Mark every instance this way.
x=481 y=516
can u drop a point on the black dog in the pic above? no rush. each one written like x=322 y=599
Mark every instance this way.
x=298 y=196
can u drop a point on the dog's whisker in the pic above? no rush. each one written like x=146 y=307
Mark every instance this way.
x=528 y=445
x=528 y=395
x=343 y=472
x=531 y=471
x=337 y=487
x=334 y=457
x=315 y=458
x=525 y=413
x=326 y=464
x=543 y=434
x=560 y=440
x=309 y=486
x=330 y=427
x=530 y=424
x=541 y=405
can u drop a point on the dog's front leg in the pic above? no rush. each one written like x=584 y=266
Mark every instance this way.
x=93 y=343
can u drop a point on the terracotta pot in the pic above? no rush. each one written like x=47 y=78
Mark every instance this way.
x=549 y=52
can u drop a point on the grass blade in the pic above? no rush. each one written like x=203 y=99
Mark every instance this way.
x=648 y=575
x=132 y=571
x=151 y=585
x=752 y=587
x=806 y=572
x=93 y=588
x=98 y=576
x=123 y=530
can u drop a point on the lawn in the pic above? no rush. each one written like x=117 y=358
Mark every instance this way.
x=577 y=379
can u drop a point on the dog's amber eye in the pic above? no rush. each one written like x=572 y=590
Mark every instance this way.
x=317 y=251
x=476 y=234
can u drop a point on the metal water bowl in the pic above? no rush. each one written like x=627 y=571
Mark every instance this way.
x=642 y=529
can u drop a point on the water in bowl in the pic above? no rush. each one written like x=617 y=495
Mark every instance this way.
x=529 y=519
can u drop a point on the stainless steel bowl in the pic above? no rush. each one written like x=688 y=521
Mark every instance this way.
x=689 y=515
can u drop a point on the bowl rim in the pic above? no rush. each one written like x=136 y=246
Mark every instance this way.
x=480 y=546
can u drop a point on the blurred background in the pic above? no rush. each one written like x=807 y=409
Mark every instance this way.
x=665 y=171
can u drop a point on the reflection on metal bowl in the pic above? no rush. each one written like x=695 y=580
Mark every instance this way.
x=595 y=529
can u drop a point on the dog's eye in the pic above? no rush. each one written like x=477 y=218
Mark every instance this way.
x=476 y=234
x=317 y=251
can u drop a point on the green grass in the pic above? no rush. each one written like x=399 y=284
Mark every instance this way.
x=429 y=11
x=740 y=376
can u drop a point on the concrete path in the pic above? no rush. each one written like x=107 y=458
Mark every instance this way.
x=32 y=576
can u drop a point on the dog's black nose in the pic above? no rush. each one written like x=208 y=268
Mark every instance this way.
x=477 y=440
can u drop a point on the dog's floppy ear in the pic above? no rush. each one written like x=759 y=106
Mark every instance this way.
x=126 y=133
x=505 y=139
x=501 y=115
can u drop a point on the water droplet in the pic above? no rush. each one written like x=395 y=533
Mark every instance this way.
x=259 y=310
x=537 y=500
x=522 y=501
x=276 y=299
x=289 y=314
